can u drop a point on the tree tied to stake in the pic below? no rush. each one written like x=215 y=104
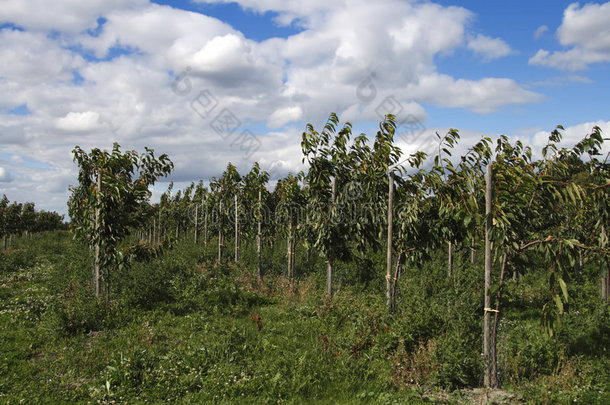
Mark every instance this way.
x=110 y=201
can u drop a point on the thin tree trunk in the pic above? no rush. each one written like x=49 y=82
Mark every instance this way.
x=205 y=227
x=605 y=279
x=450 y=259
x=259 y=268
x=388 y=276
x=159 y=235
x=473 y=250
x=487 y=303
x=494 y=333
x=196 y=223
x=397 y=273
x=236 y=231
x=220 y=235
x=329 y=259
x=293 y=252
x=108 y=287
x=288 y=250
x=96 y=259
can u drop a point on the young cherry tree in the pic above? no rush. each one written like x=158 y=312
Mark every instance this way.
x=113 y=188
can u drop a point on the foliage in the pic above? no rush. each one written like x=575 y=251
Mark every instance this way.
x=102 y=216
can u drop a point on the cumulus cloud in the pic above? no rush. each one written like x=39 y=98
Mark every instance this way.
x=350 y=57
x=79 y=121
x=585 y=31
x=571 y=135
x=481 y=96
x=28 y=57
x=285 y=115
x=72 y=16
x=488 y=48
x=5 y=176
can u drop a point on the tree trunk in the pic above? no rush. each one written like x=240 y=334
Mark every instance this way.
x=289 y=250
x=205 y=227
x=473 y=250
x=388 y=276
x=329 y=259
x=96 y=258
x=155 y=230
x=159 y=234
x=236 y=231
x=494 y=333
x=450 y=259
x=329 y=278
x=605 y=279
x=108 y=287
x=220 y=235
x=487 y=303
x=196 y=224
x=397 y=273
x=293 y=252
x=259 y=269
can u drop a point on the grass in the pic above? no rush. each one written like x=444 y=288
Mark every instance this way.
x=217 y=335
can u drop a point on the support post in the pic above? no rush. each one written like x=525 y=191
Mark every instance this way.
x=236 y=230
x=96 y=265
x=388 y=276
x=329 y=260
x=487 y=303
x=259 y=270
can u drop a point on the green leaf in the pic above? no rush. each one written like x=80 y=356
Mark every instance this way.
x=559 y=303
x=564 y=289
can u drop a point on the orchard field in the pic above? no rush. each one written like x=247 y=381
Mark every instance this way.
x=365 y=279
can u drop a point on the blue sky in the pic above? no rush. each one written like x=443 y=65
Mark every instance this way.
x=213 y=81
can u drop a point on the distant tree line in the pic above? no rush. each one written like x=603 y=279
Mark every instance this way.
x=18 y=219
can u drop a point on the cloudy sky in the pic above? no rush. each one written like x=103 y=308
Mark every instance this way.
x=212 y=81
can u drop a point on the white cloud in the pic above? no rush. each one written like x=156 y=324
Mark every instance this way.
x=585 y=29
x=277 y=83
x=571 y=135
x=540 y=31
x=79 y=122
x=488 y=48
x=481 y=96
x=27 y=58
x=70 y=16
x=285 y=115
x=5 y=176
x=562 y=80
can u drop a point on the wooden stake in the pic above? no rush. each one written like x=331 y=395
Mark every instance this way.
x=329 y=260
x=96 y=265
x=259 y=270
x=450 y=259
x=205 y=227
x=487 y=303
x=236 y=231
x=196 y=223
x=220 y=235
x=388 y=276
